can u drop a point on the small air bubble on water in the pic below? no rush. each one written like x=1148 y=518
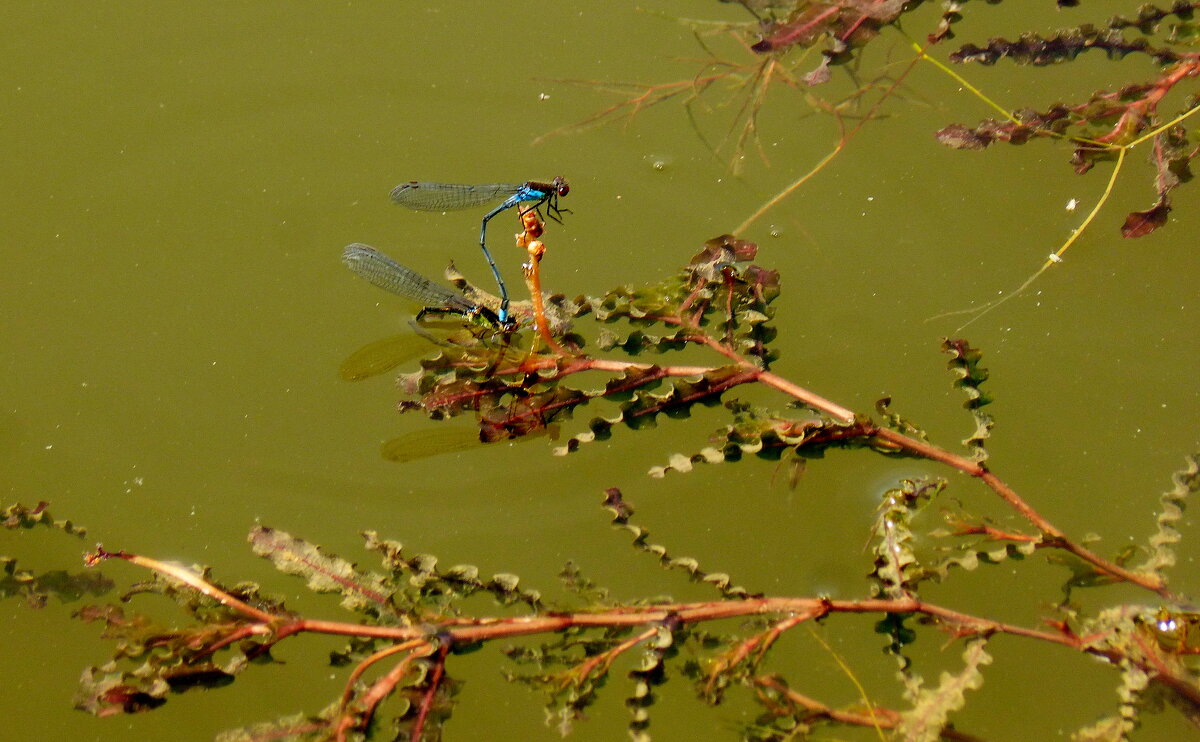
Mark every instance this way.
x=657 y=162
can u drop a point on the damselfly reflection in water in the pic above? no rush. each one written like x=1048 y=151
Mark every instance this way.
x=471 y=325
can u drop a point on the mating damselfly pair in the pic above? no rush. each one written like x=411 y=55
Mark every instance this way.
x=528 y=196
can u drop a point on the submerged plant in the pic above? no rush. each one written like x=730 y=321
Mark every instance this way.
x=1109 y=123
x=411 y=616
x=1103 y=127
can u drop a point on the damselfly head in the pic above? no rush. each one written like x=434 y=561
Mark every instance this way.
x=560 y=186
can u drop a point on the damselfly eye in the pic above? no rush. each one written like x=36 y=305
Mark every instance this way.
x=563 y=189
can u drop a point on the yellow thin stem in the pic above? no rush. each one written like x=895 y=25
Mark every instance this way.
x=1056 y=256
x=876 y=722
x=1160 y=129
x=922 y=54
x=1108 y=189
x=788 y=191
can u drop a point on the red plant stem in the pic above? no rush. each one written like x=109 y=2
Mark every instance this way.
x=606 y=658
x=686 y=304
x=812 y=399
x=439 y=671
x=854 y=27
x=993 y=533
x=1054 y=536
x=242 y=632
x=379 y=690
x=366 y=664
x=777 y=630
x=533 y=277
x=494 y=628
x=796 y=30
x=186 y=576
x=470 y=631
x=760 y=642
x=478 y=630
x=883 y=718
x=816 y=401
x=1141 y=108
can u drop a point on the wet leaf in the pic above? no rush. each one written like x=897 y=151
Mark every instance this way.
x=325 y=573
x=898 y=422
x=1170 y=515
x=724 y=249
x=19 y=516
x=1142 y=223
x=424 y=589
x=897 y=570
x=67 y=587
x=294 y=728
x=622 y=512
x=108 y=693
x=1037 y=50
x=965 y=365
x=931 y=713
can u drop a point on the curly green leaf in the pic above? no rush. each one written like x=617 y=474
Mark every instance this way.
x=970 y=375
x=931 y=713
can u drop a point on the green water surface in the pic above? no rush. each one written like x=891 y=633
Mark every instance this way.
x=180 y=180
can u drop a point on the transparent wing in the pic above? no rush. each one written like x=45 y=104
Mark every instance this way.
x=367 y=262
x=448 y=196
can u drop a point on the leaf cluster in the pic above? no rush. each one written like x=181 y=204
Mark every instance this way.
x=411 y=616
x=513 y=390
x=36 y=587
x=840 y=27
x=1109 y=122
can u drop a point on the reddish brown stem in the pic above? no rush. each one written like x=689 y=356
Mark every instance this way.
x=363 y=666
x=798 y=610
x=186 y=576
x=758 y=642
x=533 y=276
x=379 y=690
x=439 y=671
x=1053 y=536
x=605 y=659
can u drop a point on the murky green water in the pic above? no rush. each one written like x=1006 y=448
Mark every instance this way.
x=180 y=182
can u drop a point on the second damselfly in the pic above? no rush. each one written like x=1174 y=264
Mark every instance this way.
x=367 y=262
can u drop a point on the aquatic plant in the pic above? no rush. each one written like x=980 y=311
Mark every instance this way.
x=411 y=616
